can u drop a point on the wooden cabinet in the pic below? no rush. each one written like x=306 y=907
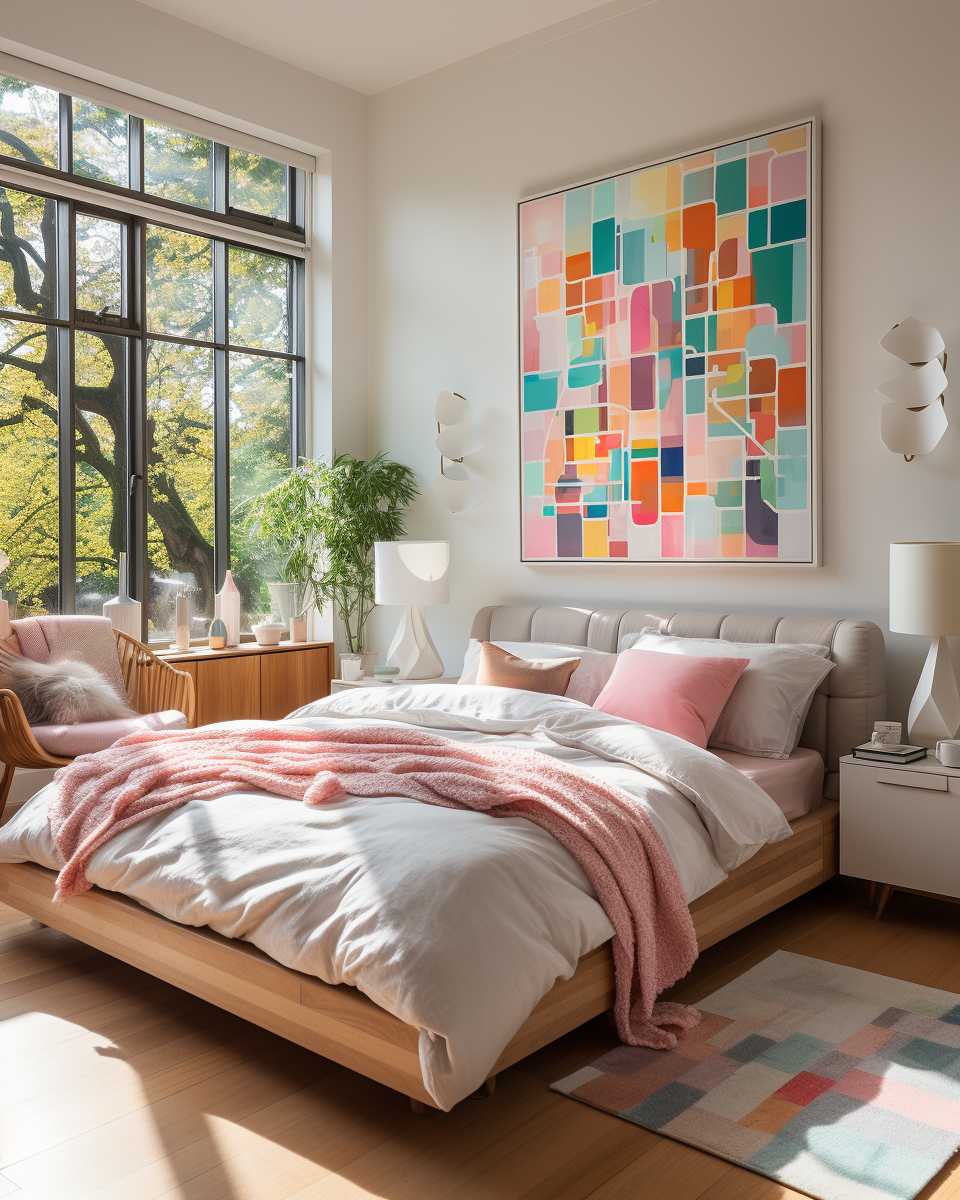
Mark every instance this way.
x=248 y=682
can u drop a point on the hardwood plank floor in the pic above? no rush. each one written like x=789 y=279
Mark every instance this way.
x=116 y=1087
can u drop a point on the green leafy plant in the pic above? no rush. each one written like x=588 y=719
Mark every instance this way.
x=322 y=520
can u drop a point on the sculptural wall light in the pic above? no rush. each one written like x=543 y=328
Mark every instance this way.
x=453 y=487
x=913 y=420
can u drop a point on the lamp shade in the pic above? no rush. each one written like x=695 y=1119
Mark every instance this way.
x=412 y=572
x=913 y=342
x=907 y=432
x=925 y=588
x=916 y=387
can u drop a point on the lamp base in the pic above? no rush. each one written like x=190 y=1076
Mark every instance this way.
x=935 y=707
x=412 y=649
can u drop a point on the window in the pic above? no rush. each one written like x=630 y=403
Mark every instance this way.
x=110 y=149
x=151 y=377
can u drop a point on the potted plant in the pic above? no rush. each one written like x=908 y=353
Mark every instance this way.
x=322 y=521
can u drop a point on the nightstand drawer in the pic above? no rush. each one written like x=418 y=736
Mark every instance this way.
x=900 y=827
x=910 y=779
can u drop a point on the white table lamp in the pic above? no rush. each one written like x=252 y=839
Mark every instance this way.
x=413 y=574
x=925 y=599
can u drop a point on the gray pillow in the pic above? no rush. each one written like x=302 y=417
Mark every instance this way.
x=61 y=693
x=769 y=704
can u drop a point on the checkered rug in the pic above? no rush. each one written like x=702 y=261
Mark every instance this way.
x=833 y=1081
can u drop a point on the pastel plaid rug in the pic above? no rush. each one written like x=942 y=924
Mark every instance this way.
x=833 y=1081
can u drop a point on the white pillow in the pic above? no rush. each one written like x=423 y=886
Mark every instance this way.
x=766 y=710
x=587 y=681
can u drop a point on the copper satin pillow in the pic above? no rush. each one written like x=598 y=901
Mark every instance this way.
x=500 y=668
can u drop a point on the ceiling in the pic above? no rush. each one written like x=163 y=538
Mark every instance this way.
x=370 y=45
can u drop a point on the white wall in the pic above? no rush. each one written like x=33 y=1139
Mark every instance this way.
x=138 y=49
x=451 y=154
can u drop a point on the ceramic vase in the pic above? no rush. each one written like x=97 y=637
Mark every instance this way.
x=227 y=608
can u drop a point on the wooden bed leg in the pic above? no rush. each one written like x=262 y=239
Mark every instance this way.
x=884 y=897
x=490 y=1086
x=872 y=893
x=416 y=1106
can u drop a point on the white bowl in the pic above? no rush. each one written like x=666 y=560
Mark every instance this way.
x=267 y=634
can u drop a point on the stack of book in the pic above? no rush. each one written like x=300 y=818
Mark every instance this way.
x=881 y=752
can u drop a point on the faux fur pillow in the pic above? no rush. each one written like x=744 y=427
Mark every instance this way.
x=500 y=668
x=60 y=693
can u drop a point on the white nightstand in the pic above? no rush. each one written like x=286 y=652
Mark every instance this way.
x=900 y=826
x=345 y=685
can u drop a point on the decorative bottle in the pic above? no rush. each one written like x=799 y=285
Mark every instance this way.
x=183 y=621
x=227 y=608
x=123 y=612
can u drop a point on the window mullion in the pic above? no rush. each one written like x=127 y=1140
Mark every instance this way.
x=296 y=301
x=137 y=493
x=65 y=133
x=66 y=457
x=135 y=152
x=221 y=178
x=221 y=415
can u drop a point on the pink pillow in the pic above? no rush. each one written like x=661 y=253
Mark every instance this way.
x=679 y=694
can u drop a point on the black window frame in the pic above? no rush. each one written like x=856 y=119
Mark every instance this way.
x=133 y=327
x=292 y=227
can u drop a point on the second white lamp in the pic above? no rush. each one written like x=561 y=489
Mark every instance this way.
x=413 y=574
x=925 y=599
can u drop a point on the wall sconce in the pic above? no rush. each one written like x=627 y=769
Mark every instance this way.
x=913 y=422
x=453 y=487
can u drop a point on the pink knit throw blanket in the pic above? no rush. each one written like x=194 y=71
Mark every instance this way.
x=604 y=829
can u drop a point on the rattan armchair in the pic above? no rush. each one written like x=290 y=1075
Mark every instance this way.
x=152 y=686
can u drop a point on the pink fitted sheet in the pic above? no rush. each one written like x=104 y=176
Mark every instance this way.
x=794 y=784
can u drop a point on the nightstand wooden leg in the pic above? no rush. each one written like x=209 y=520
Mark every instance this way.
x=872 y=895
x=884 y=897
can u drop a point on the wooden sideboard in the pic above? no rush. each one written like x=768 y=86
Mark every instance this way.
x=251 y=682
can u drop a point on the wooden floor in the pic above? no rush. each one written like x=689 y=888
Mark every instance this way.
x=118 y=1087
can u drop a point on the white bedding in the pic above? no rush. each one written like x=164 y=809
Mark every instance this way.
x=456 y=922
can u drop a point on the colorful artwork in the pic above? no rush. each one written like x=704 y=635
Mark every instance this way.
x=668 y=410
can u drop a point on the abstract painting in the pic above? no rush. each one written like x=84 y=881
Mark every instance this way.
x=667 y=348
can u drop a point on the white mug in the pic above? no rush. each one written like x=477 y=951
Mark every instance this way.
x=948 y=752
x=351 y=667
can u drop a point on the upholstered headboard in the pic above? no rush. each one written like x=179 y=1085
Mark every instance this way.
x=844 y=709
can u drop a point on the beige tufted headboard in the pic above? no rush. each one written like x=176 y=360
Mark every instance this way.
x=844 y=709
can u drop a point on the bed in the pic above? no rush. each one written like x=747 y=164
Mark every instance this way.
x=342 y=1023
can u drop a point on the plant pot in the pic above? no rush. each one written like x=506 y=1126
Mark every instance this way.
x=298 y=629
x=286 y=597
x=351 y=667
x=267 y=634
x=369 y=662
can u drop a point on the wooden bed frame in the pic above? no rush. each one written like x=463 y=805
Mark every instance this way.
x=341 y=1023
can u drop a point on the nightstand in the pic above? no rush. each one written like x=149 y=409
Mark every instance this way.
x=900 y=826
x=345 y=685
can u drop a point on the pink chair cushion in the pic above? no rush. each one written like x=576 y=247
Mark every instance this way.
x=677 y=693
x=67 y=741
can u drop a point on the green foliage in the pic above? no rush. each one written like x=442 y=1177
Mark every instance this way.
x=257 y=184
x=322 y=521
x=177 y=165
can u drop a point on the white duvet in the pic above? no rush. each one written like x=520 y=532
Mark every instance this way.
x=454 y=921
